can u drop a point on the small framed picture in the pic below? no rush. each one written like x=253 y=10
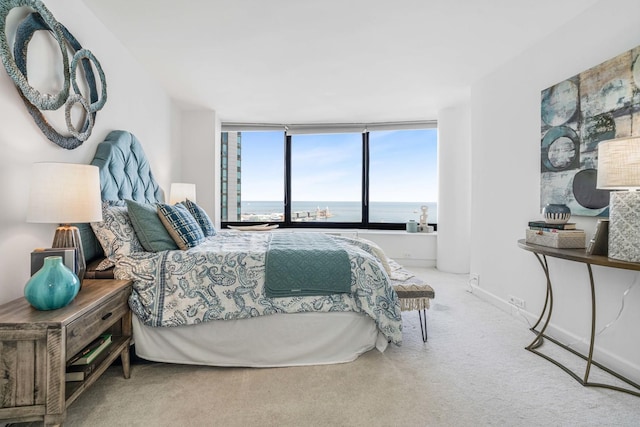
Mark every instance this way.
x=68 y=258
x=599 y=244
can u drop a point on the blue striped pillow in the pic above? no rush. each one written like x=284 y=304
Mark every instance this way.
x=181 y=225
x=201 y=218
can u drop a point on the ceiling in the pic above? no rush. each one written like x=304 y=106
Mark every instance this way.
x=327 y=61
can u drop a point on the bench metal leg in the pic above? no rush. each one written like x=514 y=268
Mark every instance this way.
x=423 y=328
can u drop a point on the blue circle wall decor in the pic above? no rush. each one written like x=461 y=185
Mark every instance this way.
x=42 y=101
x=24 y=33
x=86 y=54
x=78 y=99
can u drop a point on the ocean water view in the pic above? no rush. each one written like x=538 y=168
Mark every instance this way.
x=331 y=211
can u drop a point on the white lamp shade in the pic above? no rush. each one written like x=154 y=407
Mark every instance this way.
x=619 y=164
x=181 y=191
x=64 y=193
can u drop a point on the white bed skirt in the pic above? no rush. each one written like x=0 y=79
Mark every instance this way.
x=266 y=341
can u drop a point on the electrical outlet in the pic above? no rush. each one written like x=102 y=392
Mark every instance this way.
x=406 y=255
x=518 y=302
x=474 y=279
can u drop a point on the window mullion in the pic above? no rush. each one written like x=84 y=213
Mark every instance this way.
x=287 y=180
x=365 y=179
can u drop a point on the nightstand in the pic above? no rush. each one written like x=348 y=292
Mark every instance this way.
x=35 y=347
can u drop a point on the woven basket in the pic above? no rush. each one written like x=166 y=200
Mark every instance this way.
x=565 y=239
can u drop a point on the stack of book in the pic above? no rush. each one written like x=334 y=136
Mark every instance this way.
x=556 y=235
x=84 y=363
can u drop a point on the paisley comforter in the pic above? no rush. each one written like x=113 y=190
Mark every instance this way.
x=223 y=278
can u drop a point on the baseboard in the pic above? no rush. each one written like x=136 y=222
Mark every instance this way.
x=605 y=357
x=412 y=262
x=502 y=304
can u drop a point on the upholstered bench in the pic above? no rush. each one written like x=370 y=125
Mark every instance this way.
x=416 y=297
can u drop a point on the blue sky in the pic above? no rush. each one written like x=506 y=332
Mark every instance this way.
x=328 y=167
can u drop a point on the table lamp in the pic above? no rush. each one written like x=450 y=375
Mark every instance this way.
x=65 y=193
x=181 y=191
x=619 y=169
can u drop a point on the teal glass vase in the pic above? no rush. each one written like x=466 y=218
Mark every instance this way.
x=53 y=286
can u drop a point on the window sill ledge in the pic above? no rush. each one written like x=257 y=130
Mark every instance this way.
x=354 y=231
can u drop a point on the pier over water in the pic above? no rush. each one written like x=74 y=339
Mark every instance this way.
x=297 y=216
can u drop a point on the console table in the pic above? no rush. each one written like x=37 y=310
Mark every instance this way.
x=575 y=255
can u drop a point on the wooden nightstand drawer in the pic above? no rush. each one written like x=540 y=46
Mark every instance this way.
x=85 y=329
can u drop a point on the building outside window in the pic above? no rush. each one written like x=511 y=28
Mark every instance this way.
x=257 y=159
x=231 y=178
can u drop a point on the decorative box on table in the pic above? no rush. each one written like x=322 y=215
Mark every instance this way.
x=565 y=239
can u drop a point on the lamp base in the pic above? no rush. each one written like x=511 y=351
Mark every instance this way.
x=68 y=236
x=624 y=226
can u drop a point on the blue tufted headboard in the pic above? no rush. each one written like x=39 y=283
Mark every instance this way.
x=124 y=170
x=124 y=174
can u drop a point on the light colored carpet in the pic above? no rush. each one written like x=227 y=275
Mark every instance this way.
x=473 y=371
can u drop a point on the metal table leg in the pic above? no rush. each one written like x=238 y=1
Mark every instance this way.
x=541 y=336
x=548 y=302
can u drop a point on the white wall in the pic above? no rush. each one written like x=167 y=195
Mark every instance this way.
x=454 y=186
x=199 y=156
x=409 y=249
x=135 y=103
x=505 y=129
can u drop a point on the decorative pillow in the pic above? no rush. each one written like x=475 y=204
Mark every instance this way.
x=181 y=225
x=115 y=233
x=201 y=217
x=150 y=231
x=105 y=264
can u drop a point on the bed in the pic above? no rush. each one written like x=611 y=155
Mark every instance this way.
x=209 y=305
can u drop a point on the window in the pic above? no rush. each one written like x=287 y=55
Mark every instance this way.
x=402 y=175
x=372 y=179
x=326 y=178
x=255 y=192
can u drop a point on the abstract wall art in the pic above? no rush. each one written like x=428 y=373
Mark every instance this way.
x=16 y=66
x=576 y=114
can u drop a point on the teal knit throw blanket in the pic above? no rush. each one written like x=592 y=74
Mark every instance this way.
x=306 y=264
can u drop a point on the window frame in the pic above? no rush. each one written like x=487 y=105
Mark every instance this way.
x=364 y=223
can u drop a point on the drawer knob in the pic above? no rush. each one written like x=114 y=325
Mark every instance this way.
x=106 y=316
